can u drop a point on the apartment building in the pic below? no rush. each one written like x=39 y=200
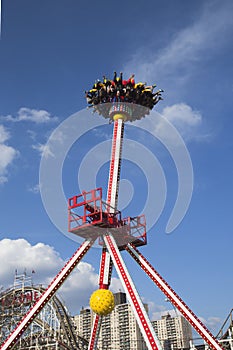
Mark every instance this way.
x=119 y=330
x=173 y=332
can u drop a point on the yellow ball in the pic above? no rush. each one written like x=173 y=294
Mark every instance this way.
x=102 y=302
x=119 y=116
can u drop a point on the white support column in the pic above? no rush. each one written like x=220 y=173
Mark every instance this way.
x=115 y=165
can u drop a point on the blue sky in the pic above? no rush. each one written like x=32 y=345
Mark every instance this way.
x=50 y=52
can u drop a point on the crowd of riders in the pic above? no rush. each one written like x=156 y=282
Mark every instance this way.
x=120 y=90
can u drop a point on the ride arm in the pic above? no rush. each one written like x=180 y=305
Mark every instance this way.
x=47 y=295
x=173 y=297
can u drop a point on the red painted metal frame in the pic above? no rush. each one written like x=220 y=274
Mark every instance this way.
x=88 y=213
x=137 y=229
x=85 y=209
x=173 y=297
x=132 y=295
x=47 y=295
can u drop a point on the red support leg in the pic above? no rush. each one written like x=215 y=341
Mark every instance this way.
x=173 y=297
x=47 y=295
x=104 y=282
x=95 y=332
x=105 y=270
x=132 y=295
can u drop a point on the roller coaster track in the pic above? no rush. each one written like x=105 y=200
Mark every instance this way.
x=15 y=301
x=75 y=340
x=225 y=335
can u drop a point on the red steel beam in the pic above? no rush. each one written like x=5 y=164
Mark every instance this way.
x=105 y=273
x=173 y=297
x=132 y=295
x=47 y=295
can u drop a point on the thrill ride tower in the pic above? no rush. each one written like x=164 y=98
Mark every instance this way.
x=96 y=220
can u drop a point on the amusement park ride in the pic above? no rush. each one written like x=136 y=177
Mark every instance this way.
x=93 y=219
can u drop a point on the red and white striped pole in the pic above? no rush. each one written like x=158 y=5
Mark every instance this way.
x=115 y=165
x=105 y=273
x=112 y=198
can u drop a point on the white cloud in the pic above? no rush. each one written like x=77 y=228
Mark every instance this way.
x=182 y=113
x=156 y=311
x=212 y=323
x=79 y=286
x=3 y=179
x=185 y=50
x=7 y=153
x=44 y=150
x=32 y=134
x=176 y=62
x=185 y=119
x=32 y=115
x=177 y=123
x=20 y=255
x=58 y=136
x=35 y=189
x=4 y=134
